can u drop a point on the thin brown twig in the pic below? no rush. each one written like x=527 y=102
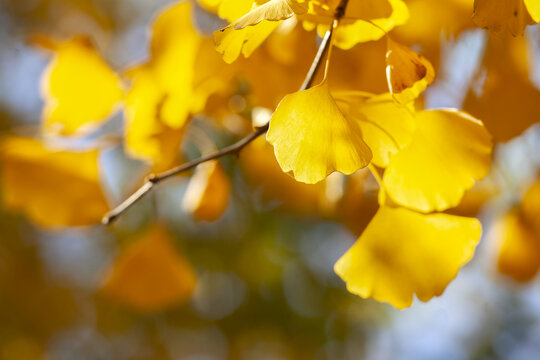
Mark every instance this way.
x=154 y=179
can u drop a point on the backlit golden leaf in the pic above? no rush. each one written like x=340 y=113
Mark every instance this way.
x=312 y=138
x=402 y=253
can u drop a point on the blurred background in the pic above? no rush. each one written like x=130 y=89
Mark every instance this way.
x=265 y=285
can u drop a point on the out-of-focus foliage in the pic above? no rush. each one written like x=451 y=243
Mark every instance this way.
x=75 y=74
x=236 y=259
x=50 y=184
x=150 y=275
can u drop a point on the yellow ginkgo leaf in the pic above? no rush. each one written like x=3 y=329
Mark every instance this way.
x=207 y=194
x=362 y=25
x=402 y=253
x=386 y=126
x=504 y=14
x=231 y=43
x=79 y=89
x=518 y=247
x=450 y=149
x=312 y=138
x=150 y=275
x=146 y=136
x=53 y=187
x=407 y=73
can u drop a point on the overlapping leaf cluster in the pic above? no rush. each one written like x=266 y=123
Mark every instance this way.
x=423 y=160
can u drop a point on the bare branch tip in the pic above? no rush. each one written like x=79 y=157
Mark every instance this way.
x=107 y=220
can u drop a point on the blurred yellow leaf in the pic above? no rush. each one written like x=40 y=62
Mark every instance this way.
x=530 y=206
x=208 y=192
x=504 y=14
x=174 y=48
x=312 y=138
x=150 y=275
x=146 y=136
x=518 y=246
x=506 y=91
x=408 y=73
x=449 y=150
x=53 y=187
x=228 y=9
x=79 y=89
x=386 y=126
x=402 y=253
x=174 y=84
x=430 y=20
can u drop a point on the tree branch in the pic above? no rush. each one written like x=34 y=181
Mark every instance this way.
x=154 y=179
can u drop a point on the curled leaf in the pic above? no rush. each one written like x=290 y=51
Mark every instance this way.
x=274 y=10
x=407 y=73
